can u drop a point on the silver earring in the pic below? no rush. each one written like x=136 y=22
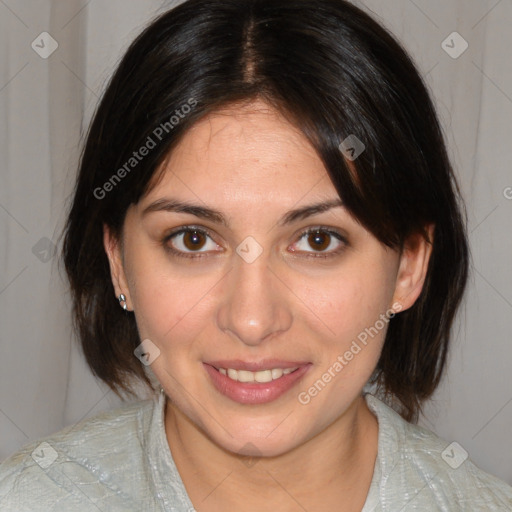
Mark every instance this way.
x=121 y=299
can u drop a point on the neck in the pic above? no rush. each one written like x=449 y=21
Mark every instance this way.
x=331 y=471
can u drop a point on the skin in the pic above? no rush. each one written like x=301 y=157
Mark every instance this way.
x=251 y=164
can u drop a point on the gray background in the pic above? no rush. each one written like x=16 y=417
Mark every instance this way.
x=45 y=106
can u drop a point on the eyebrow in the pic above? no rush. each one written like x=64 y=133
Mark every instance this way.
x=173 y=205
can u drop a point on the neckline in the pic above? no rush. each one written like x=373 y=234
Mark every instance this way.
x=171 y=490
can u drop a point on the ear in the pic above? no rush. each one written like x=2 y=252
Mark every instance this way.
x=413 y=267
x=113 y=248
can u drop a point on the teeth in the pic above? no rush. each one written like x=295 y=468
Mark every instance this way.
x=276 y=373
x=245 y=376
x=261 y=376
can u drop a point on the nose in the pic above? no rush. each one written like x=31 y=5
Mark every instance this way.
x=255 y=305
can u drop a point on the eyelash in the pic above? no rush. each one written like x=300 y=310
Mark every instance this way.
x=204 y=231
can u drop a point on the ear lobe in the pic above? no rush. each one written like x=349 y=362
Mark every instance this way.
x=112 y=247
x=413 y=267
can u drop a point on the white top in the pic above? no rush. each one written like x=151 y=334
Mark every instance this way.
x=120 y=461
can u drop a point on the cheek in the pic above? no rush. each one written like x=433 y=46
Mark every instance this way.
x=171 y=305
x=352 y=300
x=354 y=309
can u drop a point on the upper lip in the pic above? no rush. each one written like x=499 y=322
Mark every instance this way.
x=255 y=366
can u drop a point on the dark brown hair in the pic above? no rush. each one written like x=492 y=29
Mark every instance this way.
x=334 y=72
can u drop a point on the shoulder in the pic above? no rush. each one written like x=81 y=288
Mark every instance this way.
x=93 y=452
x=420 y=469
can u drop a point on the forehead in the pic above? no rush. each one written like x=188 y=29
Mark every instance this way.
x=245 y=153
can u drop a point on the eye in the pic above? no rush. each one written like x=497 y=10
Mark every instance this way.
x=186 y=241
x=321 y=240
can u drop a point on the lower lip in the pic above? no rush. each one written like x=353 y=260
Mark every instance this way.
x=254 y=392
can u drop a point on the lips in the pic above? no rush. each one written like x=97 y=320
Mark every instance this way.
x=250 y=382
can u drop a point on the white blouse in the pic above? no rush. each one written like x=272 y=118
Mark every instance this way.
x=120 y=461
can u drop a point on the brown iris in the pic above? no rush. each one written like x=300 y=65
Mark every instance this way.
x=193 y=239
x=319 y=241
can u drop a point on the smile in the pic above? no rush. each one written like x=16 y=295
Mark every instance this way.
x=255 y=383
x=261 y=376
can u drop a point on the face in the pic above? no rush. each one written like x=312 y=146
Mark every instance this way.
x=279 y=301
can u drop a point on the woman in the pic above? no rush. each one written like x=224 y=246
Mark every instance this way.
x=265 y=227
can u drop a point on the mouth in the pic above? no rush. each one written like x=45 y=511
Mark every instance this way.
x=255 y=383
x=260 y=376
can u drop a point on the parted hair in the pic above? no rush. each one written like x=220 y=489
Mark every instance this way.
x=334 y=72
